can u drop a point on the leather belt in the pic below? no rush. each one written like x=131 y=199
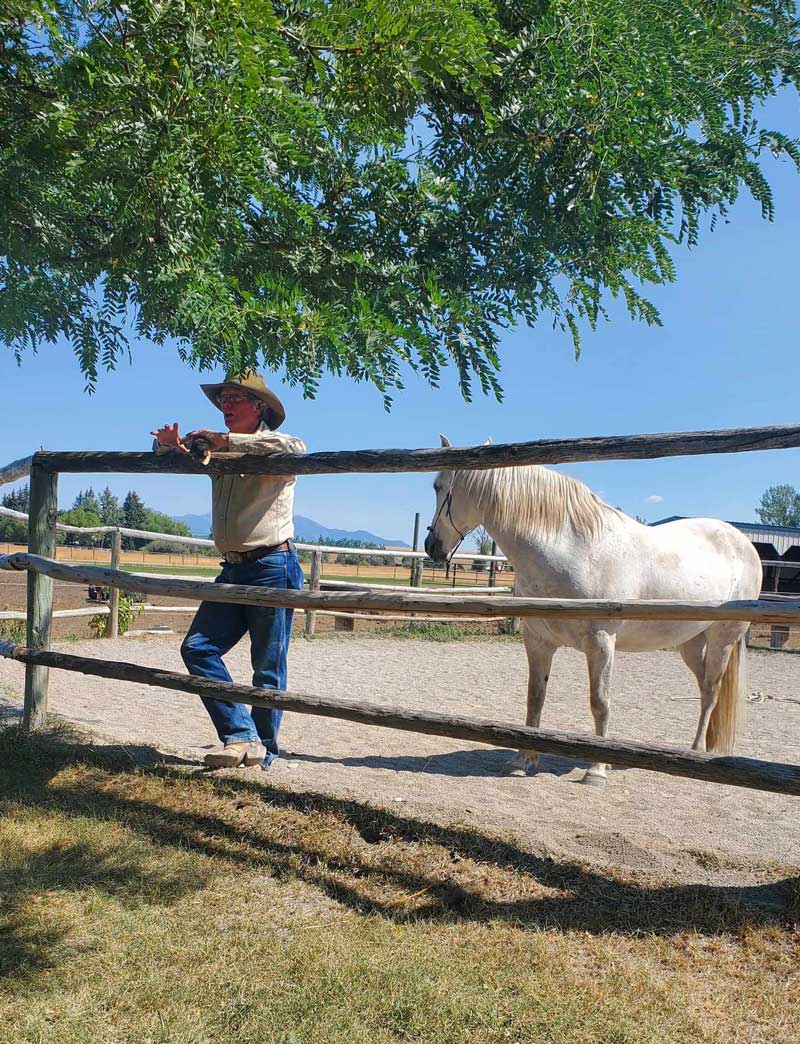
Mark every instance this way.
x=237 y=557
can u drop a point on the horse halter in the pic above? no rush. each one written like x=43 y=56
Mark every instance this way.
x=445 y=506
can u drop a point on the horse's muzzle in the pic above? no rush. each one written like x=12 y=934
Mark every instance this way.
x=434 y=549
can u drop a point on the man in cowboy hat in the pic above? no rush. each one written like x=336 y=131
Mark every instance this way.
x=253 y=527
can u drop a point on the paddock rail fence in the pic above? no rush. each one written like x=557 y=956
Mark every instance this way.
x=317 y=581
x=42 y=568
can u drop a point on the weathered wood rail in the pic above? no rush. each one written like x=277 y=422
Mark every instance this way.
x=500 y=455
x=734 y=771
x=396 y=601
x=17 y=469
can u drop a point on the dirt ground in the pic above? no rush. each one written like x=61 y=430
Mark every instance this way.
x=678 y=828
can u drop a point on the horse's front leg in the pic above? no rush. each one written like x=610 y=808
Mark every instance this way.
x=540 y=657
x=600 y=658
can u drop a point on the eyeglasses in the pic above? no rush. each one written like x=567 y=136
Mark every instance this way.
x=230 y=398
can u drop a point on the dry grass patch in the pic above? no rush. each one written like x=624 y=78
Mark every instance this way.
x=160 y=904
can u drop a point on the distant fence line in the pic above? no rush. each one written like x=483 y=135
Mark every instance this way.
x=143 y=534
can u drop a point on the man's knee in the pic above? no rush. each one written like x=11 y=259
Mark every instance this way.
x=193 y=648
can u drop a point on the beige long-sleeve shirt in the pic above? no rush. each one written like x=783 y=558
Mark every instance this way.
x=254 y=510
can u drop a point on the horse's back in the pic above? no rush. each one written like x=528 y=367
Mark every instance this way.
x=704 y=559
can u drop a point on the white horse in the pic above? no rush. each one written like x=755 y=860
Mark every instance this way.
x=565 y=542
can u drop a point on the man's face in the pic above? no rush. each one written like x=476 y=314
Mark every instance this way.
x=241 y=411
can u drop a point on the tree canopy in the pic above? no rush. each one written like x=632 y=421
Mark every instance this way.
x=364 y=187
x=780 y=506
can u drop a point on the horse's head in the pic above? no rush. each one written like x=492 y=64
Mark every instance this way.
x=454 y=516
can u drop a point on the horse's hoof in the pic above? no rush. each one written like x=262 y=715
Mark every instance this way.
x=591 y=779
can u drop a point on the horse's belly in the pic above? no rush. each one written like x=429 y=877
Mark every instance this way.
x=631 y=635
x=638 y=636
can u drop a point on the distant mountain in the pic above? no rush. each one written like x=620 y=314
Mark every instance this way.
x=305 y=530
x=200 y=525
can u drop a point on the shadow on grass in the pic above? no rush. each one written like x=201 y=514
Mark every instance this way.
x=34 y=876
x=374 y=852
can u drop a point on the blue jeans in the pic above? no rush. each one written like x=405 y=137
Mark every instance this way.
x=218 y=626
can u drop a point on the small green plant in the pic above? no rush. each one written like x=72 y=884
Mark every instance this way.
x=13 y=631
x=129 y=608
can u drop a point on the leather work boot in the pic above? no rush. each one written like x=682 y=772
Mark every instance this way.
x=245 y=752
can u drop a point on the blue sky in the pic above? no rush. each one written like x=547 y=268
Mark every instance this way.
x=726 y=356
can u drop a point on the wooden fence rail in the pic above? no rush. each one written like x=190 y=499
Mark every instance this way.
x=17 y=469
x=735 y=771
x=501 y=455
x=361 y=600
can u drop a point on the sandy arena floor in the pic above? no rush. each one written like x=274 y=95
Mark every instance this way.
x=642 y=820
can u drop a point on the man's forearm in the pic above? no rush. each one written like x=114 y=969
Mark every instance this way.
x=265 y=442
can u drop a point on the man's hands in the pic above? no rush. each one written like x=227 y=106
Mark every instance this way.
x=169 y=436
x=217 y=440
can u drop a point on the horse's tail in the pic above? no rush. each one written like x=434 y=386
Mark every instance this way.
x=721 y=735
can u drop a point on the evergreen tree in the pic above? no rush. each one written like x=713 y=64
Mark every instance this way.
x=111 y=512
x=18 y=499
x=12 y=531
x=87 y=499
x=134 y=517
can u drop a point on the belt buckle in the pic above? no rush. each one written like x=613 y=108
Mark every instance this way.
x=234 y=557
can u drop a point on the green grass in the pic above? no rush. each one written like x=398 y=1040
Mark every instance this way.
x=13 y=631
x=151 y=903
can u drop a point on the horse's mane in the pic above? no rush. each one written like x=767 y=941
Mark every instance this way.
x=532 y=500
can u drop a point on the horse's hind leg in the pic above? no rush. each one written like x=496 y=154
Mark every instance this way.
x=721 y=639
x=599 y=651
x=693 y=653
x=540 y=658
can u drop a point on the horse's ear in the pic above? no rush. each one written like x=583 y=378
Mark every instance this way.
x=445 y=440
x=488 y=441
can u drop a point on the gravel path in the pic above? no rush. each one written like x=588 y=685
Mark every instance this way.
x=642 y=820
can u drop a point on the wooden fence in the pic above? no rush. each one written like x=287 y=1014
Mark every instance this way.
x=316 y=580
x=42 y=568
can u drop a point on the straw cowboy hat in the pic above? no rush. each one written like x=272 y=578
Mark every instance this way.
x=253 y=384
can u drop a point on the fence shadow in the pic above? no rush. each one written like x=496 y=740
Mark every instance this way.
x=456 y=763
x=375 y=846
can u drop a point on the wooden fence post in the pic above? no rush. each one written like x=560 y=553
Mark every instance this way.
x=42 y=515
x=416 y=578
x=113 y=602
x=514 y=621
x=313 y=585
x=493 y=566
